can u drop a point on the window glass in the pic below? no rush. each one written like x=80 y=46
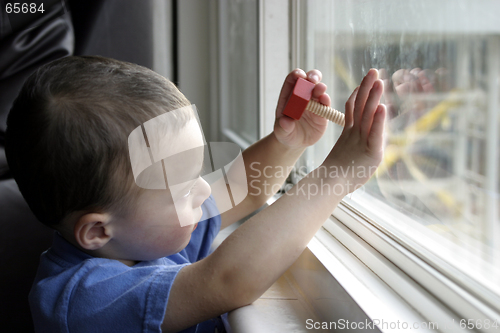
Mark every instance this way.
x=437 y=189
x=239 y=54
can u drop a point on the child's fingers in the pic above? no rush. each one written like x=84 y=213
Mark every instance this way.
x=325 y=99
x=349 y=108
x=314 y=76
x=287 y=124
x=364 y=91
x=398 y=76
x=415 y=71
x=370 y=107
x=425 y=81
x=288 y=86
x=319 y=90
x=376 y=137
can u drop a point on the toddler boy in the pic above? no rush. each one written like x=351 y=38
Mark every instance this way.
x=121 y=261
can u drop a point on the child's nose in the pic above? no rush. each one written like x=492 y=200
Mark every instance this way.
x=203 y=193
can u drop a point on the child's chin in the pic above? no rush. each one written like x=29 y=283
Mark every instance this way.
x=200 y=215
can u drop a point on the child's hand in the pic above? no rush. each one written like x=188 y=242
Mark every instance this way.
x=359 y=150
x=309 y=128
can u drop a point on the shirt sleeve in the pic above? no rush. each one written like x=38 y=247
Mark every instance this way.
x=118 y=298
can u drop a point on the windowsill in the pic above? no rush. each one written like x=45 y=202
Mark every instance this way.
x=344 y=290
x=340 y=278
x=282 y=308
x=328 y=283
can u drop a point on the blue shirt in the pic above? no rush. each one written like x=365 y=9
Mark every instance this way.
x=75 y=292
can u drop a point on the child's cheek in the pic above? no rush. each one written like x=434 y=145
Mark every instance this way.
x=186 y=215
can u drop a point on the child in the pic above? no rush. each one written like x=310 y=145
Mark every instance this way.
x=120 y=261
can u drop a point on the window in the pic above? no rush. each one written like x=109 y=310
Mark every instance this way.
x=434 y=199
x=239 y=44
x=429 y=217
x=437 y=190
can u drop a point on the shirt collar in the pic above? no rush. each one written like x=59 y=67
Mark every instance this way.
x=67 y=251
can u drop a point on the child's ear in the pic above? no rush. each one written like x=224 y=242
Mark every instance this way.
x=92 y=230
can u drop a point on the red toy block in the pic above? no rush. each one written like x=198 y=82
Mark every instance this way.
x=300 y=97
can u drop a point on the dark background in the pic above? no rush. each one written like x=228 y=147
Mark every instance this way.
x=121 y=29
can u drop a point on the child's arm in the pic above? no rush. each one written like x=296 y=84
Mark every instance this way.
x=252 y=258
x=269 y=160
